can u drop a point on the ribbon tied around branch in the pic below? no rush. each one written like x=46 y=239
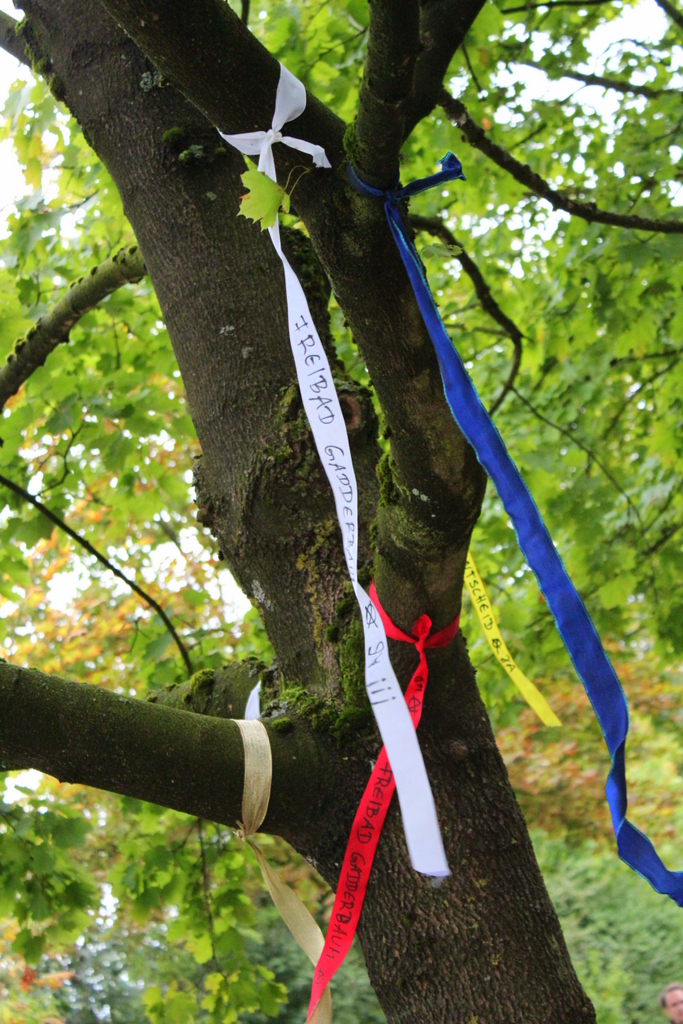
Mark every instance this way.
x=573 y=622
x=321 y=403
x=290 y=103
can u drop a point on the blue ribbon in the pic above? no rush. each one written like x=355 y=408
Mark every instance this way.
x=573 y=621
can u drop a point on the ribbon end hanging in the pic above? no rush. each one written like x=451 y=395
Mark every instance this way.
x=253 y=708
x=322 y=1011
x=320 y=159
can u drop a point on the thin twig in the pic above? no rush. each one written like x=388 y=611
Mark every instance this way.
x=323 y=53
x=667 y=533
x=522 y=173
x=437 y=228
x=661 y=511
x=65 y=461
x=471 y=69
x=648 y=355
x=555 y=3
x=10 y=41
x=245 y=12
x=604 y=83
x=24 y=494
x=629 y=398
x=171 y=534
x=206 y=888
x=579 y=444
x=197 y=822
x=527 y=138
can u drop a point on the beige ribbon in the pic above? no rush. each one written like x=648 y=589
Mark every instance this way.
x=258 y=773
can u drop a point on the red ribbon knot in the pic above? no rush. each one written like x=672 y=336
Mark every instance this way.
x=421 y=627
x=372 y=810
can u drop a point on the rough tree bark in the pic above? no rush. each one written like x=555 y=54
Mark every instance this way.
x=486 y=946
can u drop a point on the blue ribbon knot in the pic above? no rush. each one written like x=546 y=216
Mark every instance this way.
x=573 y=621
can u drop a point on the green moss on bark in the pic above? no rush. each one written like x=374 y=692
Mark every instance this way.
x=57 y=88
x=388 y=491
x=352 y=663
x=319 y=712
x=350 y=143
x=283 y=724
x=174 y=139
x=302 y=255
x=202 y=682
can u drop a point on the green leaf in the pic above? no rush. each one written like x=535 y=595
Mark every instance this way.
x=201 y=948
x=153 y=1002
x=155 y=649
x=79 y=895
x=616 y=592
x=437 y=250
x=263 y=200
x=30 y=946
x=39 y=527
x=181 y=1008
x=70 y=832
x=271 y=996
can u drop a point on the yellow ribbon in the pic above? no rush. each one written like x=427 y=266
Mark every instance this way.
x=258 y=773
x=482 y=606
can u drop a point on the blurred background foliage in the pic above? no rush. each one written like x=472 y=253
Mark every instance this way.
x=118 y=911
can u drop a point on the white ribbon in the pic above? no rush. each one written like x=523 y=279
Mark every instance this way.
x=253 y=708
x=329 y=432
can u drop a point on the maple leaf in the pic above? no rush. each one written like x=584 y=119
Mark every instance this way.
x=264 y=198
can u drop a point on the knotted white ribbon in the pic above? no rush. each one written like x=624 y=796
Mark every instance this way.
x=290 y=103
x=329 y=432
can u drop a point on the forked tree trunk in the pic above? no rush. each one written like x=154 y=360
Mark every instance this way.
x=486 y=945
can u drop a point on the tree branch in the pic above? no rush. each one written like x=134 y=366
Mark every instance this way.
x=437 y=228
x=126 y=267
x=666 y=354
x=522 y=173
x=605 y=83
x=667 y=533
x=44 y=510
x=228 y=75
x=471 y=70
x=555 y=3
x=409 y=50
x=443 y=27
x=81 y=733
x=237 y=93
x=673 y=12
x=386 y=89
x=631 y=395
x=10 y=41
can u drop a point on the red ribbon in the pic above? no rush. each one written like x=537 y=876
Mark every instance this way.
x=372 y=810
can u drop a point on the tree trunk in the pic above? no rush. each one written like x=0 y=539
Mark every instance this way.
x=486 y=945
